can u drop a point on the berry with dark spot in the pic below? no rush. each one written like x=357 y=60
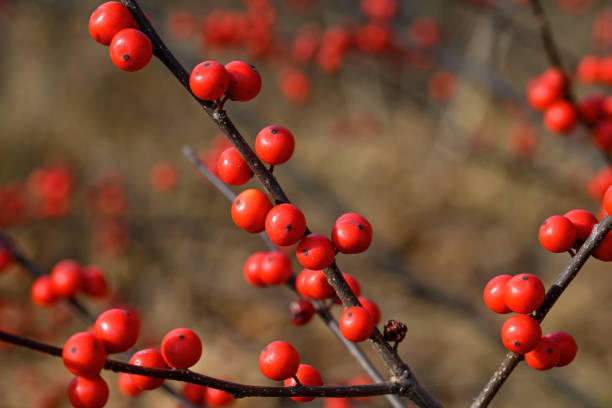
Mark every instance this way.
x=244 y=83
x=545 y=356
x=356 y=324
x=249 y=210
x=567 y=347
x=131 y=49
x=181 y=348
x=84 y=355
x=524 y=293
x=315 y=251
x=352 y=234
x=209 y=80
x=274 y=144
x=285 y=224
x=521 y=333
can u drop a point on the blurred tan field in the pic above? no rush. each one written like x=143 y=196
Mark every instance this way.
x=450 y=201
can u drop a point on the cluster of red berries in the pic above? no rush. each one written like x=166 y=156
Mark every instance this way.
x=112 y=24
x=67 y=278
x=206 y=396
x=280 y=361
x=522 y=333
x=547 y=93
x=210 y=80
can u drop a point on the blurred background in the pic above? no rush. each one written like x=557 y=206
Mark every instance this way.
x=417 y=120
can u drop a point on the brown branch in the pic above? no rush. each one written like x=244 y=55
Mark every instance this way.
x=561 y=283
x=236 y=389
x=399 y=370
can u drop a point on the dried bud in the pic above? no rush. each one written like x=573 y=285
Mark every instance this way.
x=395 y=331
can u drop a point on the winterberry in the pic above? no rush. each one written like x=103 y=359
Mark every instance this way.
x=301 y=311
x=352 y=234
x=560 y=117
x=494 y=294
x=118 y=329
x=232 y=168
x=88 y=392
x=108 y=19
x=521 y=333
x=84 y=354
x=276 y=268
x=274 y=144
x=567 y=347
x=209 y=80
x=279 y=360
x=147 y=358
x=603 y=252
x=252 y=269
x=301 y=282
x=607 y=201
x=583 y=223
x=245 y=81
x=131 y=49
x=285 y=224
x=193 y=393
x=307 y=375
x=371 y=307
x=94 y=282
x=317 y=286
x=545 y=356
x=42 y=292
x=557 y=234
x=524 y=293
x=250 y=209
x=356 y=324
x=126 y=386
x=66 y=278
x=217 y=398
x=541 y=94
x=353 y=284
x=181 y=348
x=315 y=251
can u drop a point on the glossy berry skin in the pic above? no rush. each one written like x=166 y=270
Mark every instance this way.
x=541 y=94
x=352 y=234
x=494 y=294
x=217 y=398
x=181 y=348
x=545 y=356
x=521 y=333
x=147 y=358
x=108 y=19
x=317 y=286
x=557 y=234
x=131 y=49
x=249 y=210
x=42 y=293
x=279 y=360
x=88 y=392
x=315 y=251
x=232 y=168
x=560 y=117
x=276 y=268
x=371 y=307
x=209 y=80
x=567 y=347
x=274 y=144
x=524 y=293
x=245 y=81
x=94 y=282
x=118 y=329
x=252 y=269
x=285 y=224
x=604 y=251
x=308 y=375
x=301 y=282
x=126 y=386
x=356 y=324
x=84 y=355
x=66 y=278
x=301 y=312
x=583 y=223
x=607 y=201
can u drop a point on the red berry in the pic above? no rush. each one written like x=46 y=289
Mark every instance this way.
x=356 y=324
x=301 y=282
x=66 y=278
x=560 y=117
x=494 y=294
x=163 y=177
x=294 y=85
x=217 y=398
x=599 y=183
x=131 y=49
x=94 y=282
x=285 y=224
x=588 y=69
x=583 y=223
x=309 y=376
x=371 y=307
x=603 y=252
x=352 y=234
x=232 y=168
x=424 y=32
x=193 y=393
x=274 y=144
x=252 y=269
x=567 y=347
x=42 y=292
x=209 y=80
x=126 y=386
x=276 y=268
x=353 y=284
x=88 y=392
x=557 y=234
x=590 y=109
x=249 y=210
x=301 y=311
x=524 y=293
x=602 y=135
x=607 y=201
x=181 y=348
x=317 y=286
x=117 y=329
x=315 y=251
x=84 y=354
x=6 y=258
x=108 y=19
x=545 y=356
x=147 y=358
x=279 y=360
x=245 y=81
x=554 y=77
x=541 y=94
x=521 y=333
x=379 y=9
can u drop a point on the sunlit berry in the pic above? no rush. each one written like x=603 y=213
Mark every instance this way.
x=131 y=49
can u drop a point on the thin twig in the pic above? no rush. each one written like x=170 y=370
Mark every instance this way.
x=561 y=283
